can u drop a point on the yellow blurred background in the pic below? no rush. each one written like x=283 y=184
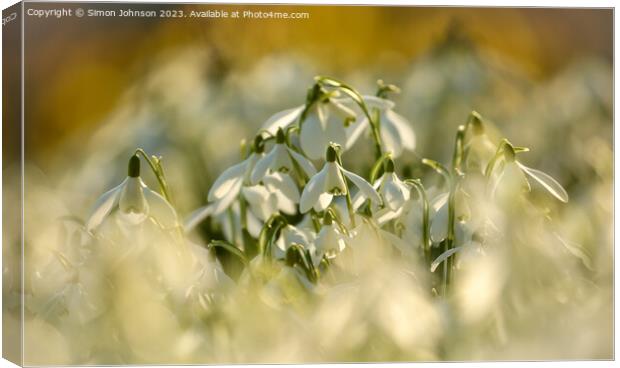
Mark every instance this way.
x=77 y=69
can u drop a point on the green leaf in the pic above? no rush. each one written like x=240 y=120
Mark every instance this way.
x=231 y=249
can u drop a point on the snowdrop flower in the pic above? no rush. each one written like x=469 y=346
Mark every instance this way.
x=330 y=182
x=513 y=177
x=134 y=200
x=329 y=241
x=440 y=211
x=395 y=131
x=411 y=221
x=228 y=185
x=278 y=194
x=280 y=159
x=393 y=191
x=479 y=150
x=324 y=123
x=293 y=235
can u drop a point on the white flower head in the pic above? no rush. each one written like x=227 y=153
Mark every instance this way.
x=513 y=177
x=228 y=185
x=329 y=241
x=325 y=123
x=479 y=150
x=329 y=182
x=134 y=201
x=290 y=235
x=281 y=159
x=396 y=132
x=392 y=190
x=440 y=213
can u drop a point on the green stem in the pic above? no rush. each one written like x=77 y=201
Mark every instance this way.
x=357 y=97
x=348 y=192
x=159 y=174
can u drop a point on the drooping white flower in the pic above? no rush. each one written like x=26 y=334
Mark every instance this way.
x=325 y=123
x=329 y=241
x=440 y=209
x=281 y=159
x=290 y=235
x=329 y=182
x=513 y=177
x=392 y=190
x=395 y=131
x=134 y=201
x=228 y=185
x=479 y=151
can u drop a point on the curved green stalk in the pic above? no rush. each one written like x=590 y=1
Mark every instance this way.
x=155 y=165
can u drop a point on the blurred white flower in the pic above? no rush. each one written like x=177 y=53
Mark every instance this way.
x=228 y=185
x=324 y=124
x=290 y=235
x=396 y=132
x=329 y=241
x=393 y=191
x=135 y=202
x=330 y=182
x=280 y=159
x=512 y=178
x=440 y=212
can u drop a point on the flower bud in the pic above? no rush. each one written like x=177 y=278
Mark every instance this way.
x=389 y=165
x=509 y=152
x=133 y=169
x=330 y=155
x=476 y=123
x=280 y=137
x=259 y=145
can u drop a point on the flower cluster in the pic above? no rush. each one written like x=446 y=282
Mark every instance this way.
x=292 y=223
x=292 y=201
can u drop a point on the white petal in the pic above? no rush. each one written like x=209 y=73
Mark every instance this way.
x=386 y=214
x=262 y=167
x=354 y=131
x=335 y=131
x=312 y=137
x=263 y=204
x=323 y=202
x=334 y=182
x=303 y=162
x=363 y=185
x=396 y=133
x=197 y=217
x=439 y=221
x=394 y=192
x=282 y=119
x=285 y=191
x=132 y=202
x=282 y=184
x=281 y=159
x=254 y=224
x=546 y=181
x=160 y=209
x=443 y=257
x=312 y=191
x=511 y=181
x=227 y=181
x=374 y=102
x=339 y=111
x=104 y=206
x=222 y=204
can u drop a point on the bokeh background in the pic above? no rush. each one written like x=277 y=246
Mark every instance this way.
x=192 y=89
